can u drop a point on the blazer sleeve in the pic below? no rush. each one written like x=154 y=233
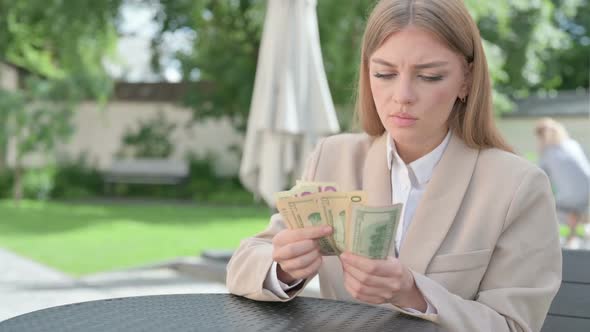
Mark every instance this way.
x=522 y=277
x=250 y=263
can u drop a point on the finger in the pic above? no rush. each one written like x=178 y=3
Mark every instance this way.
x=362 y=297
x=390 y=267
x=359 y=289
x=371 y=299
x=306 y=233
x=367 y=279
x=300 y=261
x=308 y=271
x=294 y=249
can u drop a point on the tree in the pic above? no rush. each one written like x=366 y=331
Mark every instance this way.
x=572 y=64
x=60 y=45
x=529 y=33
x=36 y=119
x=55 y=39
x=224 y=51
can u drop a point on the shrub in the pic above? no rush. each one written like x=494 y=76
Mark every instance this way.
x=6 y=178
x=79 y=179
x=150 y=140
x=76 y=179
x=39 y=182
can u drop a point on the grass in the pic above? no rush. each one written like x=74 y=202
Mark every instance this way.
x=80 y=239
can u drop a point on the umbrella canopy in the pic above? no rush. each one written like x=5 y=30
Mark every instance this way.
x=291 y=105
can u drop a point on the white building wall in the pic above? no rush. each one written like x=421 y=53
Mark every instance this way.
x=99 y=133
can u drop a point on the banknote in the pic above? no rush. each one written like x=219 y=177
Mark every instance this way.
x=303 y=188
x=335 y=206
x=286 y=213
x=306 y=213
x=371 y=230
x=320 y=187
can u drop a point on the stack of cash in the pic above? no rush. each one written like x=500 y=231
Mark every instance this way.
x=357 y=228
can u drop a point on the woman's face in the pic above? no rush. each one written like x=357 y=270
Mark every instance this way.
x=415 y=80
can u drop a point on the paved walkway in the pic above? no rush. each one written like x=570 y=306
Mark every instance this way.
x=27 y=286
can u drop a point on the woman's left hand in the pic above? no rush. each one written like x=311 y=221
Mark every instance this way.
x=381 y=281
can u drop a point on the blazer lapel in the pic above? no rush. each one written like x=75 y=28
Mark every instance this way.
x=439 y=205
x=376 y=174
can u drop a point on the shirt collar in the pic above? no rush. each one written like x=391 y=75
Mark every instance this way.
x=423 y=167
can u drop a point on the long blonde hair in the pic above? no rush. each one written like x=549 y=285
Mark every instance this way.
x=449 y=20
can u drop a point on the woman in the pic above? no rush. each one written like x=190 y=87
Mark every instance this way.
x=478 y=246
x=564 y=161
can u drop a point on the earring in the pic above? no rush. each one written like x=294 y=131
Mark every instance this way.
x=462 y=99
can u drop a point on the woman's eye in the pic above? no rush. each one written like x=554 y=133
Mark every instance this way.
x=384 y=76
x=430 y=78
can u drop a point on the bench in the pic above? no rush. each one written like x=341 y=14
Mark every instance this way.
x=570 y=310
x=147 y=171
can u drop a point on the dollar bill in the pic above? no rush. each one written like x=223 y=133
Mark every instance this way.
x=320 y=187
x=335 y=208
x=303 y=188
x=306 y=212
x=286 y=213
x=371 y=230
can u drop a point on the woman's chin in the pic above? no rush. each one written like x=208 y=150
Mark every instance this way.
x=403 y=135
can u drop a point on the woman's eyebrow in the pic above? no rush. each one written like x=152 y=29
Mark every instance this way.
x=433 y=64
x=382 y=62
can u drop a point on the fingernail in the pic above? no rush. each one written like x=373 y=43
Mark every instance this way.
x=327 y=229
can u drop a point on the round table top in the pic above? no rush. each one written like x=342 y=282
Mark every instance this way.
x=214 y=312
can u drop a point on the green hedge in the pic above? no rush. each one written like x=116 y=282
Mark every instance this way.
x=74 y=180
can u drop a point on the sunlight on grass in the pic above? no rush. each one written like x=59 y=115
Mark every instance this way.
x=82 y=239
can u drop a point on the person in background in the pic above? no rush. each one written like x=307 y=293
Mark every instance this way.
x=568 y=169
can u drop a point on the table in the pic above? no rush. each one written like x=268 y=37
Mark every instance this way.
x=214 y=312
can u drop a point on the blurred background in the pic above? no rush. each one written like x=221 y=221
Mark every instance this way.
x=122 y=122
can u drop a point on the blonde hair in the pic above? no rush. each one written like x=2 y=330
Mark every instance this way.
x=448 y=20
x=550 y=132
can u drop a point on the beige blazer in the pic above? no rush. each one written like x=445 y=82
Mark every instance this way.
x=483 y=244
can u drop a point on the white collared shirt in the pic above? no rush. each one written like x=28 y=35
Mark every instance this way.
x=408 y=183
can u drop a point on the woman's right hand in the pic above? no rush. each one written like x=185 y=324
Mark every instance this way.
x=297 y=252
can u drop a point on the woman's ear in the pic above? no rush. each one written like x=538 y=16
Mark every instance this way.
x=467 y=80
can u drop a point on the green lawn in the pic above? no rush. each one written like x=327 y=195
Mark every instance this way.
x=80 y=239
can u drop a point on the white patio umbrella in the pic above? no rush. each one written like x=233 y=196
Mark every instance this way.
x=291 y=105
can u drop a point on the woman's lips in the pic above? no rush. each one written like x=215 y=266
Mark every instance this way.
x=403 y=120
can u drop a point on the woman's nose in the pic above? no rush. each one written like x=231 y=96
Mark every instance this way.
x=403 y=91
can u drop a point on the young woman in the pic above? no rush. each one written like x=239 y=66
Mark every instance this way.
x=478 y=245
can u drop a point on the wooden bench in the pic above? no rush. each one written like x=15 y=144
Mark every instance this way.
x=147 y=171
x=570 y=310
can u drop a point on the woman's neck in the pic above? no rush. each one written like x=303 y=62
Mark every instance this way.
x=411 y=151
